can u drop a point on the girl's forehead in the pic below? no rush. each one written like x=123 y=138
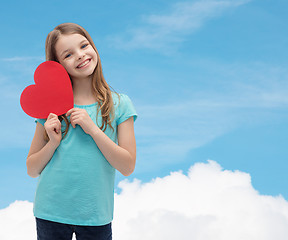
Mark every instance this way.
x=71 y=38
x=67 y=41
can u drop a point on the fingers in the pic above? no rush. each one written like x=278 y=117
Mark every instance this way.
x=69 y=112
x=75 y=115
x=72 y=110
x=51 y=116
x=58 y=126
x=79 y=116
x=74 y=119
x=72 y=113
x=53 y=123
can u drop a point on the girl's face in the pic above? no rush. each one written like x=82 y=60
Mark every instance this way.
x=76 y=55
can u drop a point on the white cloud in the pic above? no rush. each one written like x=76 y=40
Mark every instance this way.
x=17 y=222
x=184 y=18
x=208 y=203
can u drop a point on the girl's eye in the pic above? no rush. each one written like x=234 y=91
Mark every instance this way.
x=84 y=45
x=68 y=55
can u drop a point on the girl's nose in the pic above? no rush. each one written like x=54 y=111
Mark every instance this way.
x=80 y=54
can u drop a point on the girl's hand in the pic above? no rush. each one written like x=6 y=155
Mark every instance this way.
x=81 y=117
x=53 y=129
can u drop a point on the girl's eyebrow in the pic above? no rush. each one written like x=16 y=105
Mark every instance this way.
x=68 y=50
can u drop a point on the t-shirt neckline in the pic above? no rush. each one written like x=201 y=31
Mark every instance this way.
x=87 y=105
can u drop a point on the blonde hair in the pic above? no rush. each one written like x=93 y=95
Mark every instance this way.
x=100 y=87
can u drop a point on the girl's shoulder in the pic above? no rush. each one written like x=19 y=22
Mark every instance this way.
x=124 y=107
x=40 y=120
x=120 y=99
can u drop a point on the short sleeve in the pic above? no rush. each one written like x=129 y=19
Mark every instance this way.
x=40 y=120
x=125 y=109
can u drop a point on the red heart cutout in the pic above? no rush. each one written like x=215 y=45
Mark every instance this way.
x=52 y=92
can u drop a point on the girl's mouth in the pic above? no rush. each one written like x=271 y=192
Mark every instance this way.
x=83 y=64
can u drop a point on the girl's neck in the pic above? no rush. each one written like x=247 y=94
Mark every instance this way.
x=82 y=91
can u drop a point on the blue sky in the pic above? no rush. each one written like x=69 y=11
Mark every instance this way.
x=208 y=80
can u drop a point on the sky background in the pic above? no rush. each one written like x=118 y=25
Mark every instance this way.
x=208 y=80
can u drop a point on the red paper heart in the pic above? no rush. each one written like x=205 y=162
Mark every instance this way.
x=52 y=92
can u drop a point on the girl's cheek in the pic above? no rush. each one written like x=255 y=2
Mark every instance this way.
x=67 y=66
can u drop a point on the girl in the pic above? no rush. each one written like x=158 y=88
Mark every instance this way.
x=76 y=165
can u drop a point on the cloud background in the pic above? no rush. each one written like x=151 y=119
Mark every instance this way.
x=207 y=203
x=208 y=79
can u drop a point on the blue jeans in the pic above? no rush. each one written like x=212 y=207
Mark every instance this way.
x=47 y=230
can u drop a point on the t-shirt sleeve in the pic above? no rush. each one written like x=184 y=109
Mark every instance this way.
x=125 y=109
x=40 y=120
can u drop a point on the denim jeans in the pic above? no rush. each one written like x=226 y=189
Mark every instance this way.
x=47 y=230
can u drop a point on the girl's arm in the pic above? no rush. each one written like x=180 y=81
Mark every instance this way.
x=42 y=151
x=121 y=156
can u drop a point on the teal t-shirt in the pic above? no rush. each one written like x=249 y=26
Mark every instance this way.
x=77 y=185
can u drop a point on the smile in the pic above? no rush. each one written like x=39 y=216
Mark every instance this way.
x=84 y=63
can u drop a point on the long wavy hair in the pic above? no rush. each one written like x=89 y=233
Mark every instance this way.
x=100 y=87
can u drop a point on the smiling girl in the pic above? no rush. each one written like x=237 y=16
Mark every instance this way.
x=75 y=191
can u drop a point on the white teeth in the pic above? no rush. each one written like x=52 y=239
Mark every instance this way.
x=83 y=64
